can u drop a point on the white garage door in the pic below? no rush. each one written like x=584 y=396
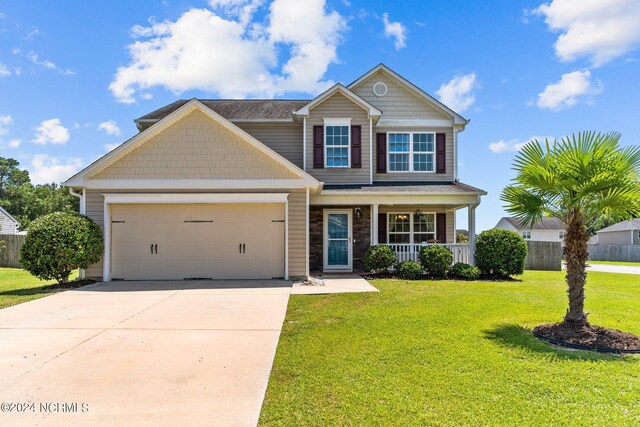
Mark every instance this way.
x=197 y=241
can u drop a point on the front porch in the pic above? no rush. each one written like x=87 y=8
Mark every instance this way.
x=410 y=251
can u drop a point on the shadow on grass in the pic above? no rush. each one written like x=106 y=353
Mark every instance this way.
x=38 y=290
x=516 y=336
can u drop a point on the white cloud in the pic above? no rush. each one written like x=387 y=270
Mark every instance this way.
x=395 y=30
x=514 y=145
x=34 y=32
x=601 y=30
x=457 y=94
x=110 y=147
x=5 y=122
x=45 y=169
x=51 y=131
x=35 y=58
x=228 y=52
x=568 y=91
x=110 y=127
x=4 y=70
x=14 y=143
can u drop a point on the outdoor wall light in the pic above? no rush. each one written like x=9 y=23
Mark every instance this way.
x=358 y=212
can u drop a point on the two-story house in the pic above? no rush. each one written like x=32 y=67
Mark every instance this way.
x=280 y=188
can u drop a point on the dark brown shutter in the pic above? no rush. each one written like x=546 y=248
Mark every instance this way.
x=318 y=147
x=356 y=146
x=441 y=228
x=382 y=228
x=381 y=152
x=441 y=154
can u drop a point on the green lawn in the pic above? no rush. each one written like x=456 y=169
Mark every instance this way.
x=452 y=353
x=631 y=264
x=18 y=286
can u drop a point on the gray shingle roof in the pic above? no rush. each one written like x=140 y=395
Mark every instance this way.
x=404 y=187
x=543 y=224
x=631 y=224
x=238 y=109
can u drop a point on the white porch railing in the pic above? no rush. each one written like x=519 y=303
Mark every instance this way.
x=410 y=251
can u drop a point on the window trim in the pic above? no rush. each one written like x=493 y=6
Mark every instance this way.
x=337 y=122
x=562 y=234
x=411 y=152
x=527 y=233
x=411 y=230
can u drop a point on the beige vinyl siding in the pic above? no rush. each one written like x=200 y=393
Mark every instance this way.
x=426 y=209
x=297 y=233
x=297 y=227
x=412 y=176
x=94 y=209
x=623 y=237
x=283 y=138
x=196 y=147
x=399 y=102
x=339 y=106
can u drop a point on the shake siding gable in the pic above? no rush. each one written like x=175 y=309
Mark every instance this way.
x=196 y=147
x=339 y=106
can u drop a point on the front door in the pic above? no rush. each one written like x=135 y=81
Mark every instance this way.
x=337 y=240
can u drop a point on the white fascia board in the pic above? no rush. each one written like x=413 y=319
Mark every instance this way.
x=195 y=184
x=367 y=199
x=337 y=121
x=414 y=123
x=124 y=198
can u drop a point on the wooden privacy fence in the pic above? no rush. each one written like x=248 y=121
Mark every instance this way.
x=544 y=256
x=10 y=250
x=626 y=253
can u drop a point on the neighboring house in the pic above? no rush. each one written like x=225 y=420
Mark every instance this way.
x=545 y=230
x=622 y=233
x=260 y=189
x=8 y=224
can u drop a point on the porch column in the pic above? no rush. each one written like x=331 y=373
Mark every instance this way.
x=472 y=233
x=374 y=224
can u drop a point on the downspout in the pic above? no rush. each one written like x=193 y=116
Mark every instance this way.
x=82 y=205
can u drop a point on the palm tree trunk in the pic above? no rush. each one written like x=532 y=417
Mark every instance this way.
x=576 y=251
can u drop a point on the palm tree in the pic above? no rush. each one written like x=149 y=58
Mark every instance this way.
x=577 y=179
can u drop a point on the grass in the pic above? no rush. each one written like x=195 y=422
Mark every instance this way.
x=630 y=264
x=18 y=286
x=452 y=353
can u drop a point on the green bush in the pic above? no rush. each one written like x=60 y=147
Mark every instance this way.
x=436 y=259
x=59 y=243
x=409 y=270
x=500 y=253
x=464 y=271
x=379 y=258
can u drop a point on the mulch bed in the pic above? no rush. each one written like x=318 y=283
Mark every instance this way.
x=594 y=338
x=67 y=286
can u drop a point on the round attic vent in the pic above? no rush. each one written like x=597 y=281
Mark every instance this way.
x=379 y=89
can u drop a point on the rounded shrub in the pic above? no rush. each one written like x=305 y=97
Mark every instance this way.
x=409 y=270
x=500 y=253
x=436 y=259
x=463 y=271
x=379 y=258
x=59 y=243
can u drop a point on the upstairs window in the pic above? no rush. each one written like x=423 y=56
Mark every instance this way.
x=526 y=235
x=337 y=142
x=561 y=235
x=411 y=151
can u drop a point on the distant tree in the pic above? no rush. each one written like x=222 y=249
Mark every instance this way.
x=462 y=238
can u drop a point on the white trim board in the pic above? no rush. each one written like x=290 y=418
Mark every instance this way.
x=193 y=184
x=338 y=87
x=120 y=198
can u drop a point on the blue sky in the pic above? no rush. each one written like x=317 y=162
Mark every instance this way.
x=73 y=77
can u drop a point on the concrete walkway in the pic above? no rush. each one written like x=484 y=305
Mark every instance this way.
x=147 y=353
x=336 y=284
x=143 y=353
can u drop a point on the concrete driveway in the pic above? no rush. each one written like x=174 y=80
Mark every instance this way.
x=142 y=353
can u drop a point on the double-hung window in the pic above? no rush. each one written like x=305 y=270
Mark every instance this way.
x=411 y=227
x=526 y=235
x=411 y=151
x=337 y=143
